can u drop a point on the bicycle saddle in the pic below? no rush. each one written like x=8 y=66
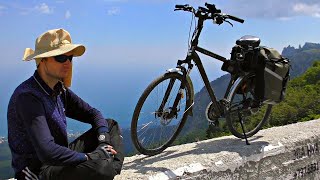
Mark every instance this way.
x=248 y=40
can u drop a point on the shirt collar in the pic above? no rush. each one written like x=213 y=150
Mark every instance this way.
x=57 y=89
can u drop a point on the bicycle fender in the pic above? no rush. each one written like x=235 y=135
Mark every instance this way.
x=178 y=70
x=236 y=83
x=173 y=70
x=233 y=87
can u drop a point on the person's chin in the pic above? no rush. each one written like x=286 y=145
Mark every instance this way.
x=64 y=75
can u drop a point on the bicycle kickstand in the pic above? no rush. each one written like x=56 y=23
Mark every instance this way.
x=244 y=132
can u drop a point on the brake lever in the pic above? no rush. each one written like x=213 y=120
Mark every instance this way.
x=229 y=22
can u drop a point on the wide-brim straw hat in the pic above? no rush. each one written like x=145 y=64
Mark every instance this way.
x=53 y=43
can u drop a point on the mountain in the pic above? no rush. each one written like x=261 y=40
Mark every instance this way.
x=301 y=59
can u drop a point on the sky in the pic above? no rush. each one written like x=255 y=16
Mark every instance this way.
x=131 y=42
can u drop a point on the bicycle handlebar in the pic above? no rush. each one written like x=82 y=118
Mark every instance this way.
x=210 y=12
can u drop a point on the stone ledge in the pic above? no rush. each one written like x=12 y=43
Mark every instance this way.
x=287 y=152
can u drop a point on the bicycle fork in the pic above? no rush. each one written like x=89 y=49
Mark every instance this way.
x=176 y=101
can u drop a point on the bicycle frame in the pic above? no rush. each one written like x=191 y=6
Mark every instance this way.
x=193 y=56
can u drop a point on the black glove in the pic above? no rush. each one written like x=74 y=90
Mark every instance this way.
x=104 y=139
x=100 y=153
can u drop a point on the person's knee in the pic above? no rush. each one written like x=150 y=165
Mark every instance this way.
x=114 y=127
x=111 y=122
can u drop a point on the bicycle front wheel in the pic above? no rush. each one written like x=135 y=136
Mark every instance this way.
x=240 y=99
x=156 y=122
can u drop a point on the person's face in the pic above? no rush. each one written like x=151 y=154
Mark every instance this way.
x=56 y=69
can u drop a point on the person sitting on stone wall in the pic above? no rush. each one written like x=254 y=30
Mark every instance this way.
x=37 y=127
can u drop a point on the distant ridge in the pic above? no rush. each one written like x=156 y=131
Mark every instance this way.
x=302 y=57
x=290 y=51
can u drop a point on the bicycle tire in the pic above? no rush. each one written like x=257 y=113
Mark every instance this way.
x=134 y=123
x=236 y=131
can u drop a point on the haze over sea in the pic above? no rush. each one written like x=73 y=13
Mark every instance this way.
x=129 y=43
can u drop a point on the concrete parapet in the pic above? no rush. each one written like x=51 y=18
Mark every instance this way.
x=287 y=152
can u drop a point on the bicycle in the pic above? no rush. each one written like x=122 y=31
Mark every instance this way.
x=164 y=106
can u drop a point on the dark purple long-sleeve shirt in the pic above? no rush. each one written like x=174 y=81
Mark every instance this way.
x=37 y=123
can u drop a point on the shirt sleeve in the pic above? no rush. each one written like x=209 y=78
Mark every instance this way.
x=78 y=109
x=32 y=113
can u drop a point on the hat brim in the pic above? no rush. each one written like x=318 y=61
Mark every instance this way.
x=78 y=50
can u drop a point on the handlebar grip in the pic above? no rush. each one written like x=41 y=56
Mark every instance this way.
x=236 y=19
x=180 y=6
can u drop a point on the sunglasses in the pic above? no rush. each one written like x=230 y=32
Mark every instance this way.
x=63 y=58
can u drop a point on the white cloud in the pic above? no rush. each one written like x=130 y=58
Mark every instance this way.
x=272 y=9
x=113 y=11
x=44 y=8
x=67 y=15
x=306 y=9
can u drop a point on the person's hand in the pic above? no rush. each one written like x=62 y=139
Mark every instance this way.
x=102 y=152
x=110 y=149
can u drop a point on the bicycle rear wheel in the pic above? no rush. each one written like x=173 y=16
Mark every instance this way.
x=154 y=129
x=239 y=108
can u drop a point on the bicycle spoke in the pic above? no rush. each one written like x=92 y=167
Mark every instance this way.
x=144 y=132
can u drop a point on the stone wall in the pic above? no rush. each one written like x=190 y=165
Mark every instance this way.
x=287 y=152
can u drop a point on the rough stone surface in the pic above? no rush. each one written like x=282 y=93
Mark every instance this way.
x=287 y=152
